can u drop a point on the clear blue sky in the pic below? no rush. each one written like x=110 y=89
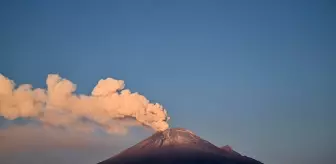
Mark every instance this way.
x=257 y=75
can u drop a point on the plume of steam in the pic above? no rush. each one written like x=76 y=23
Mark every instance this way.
x=108 y=106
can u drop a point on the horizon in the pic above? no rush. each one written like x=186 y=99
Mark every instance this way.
x=258 y=76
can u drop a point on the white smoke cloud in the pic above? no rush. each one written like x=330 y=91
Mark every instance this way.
x=108 y=107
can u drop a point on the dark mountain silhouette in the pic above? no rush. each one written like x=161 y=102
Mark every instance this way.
x=228 y=149
x=177 y=146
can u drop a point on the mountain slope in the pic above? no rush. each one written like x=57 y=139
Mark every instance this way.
x=174 y=146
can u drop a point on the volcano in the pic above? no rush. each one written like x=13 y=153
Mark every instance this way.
x=178 y=146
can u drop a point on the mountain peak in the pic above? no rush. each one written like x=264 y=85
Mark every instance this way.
x=176 y=145
x=178 y=136
x=169 y=137
x=175 y=131
x=173 y=137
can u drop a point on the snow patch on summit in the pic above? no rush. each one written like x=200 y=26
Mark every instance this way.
x=178 y=136
x=175 y=137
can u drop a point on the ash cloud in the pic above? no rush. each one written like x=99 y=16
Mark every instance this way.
x=109 y=106
x=16 y=139
x=40 y=145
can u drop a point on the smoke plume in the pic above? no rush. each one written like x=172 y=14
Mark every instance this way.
x=109 y=106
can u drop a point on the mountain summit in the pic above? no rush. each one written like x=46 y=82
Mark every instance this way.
x=175 y=146
x=170 y=137
x=175 y=137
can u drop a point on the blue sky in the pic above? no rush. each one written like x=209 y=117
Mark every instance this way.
x=259 y=76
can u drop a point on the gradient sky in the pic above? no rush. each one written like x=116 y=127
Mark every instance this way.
x=259 y=76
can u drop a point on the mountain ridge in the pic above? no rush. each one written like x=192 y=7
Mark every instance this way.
x=177 y=145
